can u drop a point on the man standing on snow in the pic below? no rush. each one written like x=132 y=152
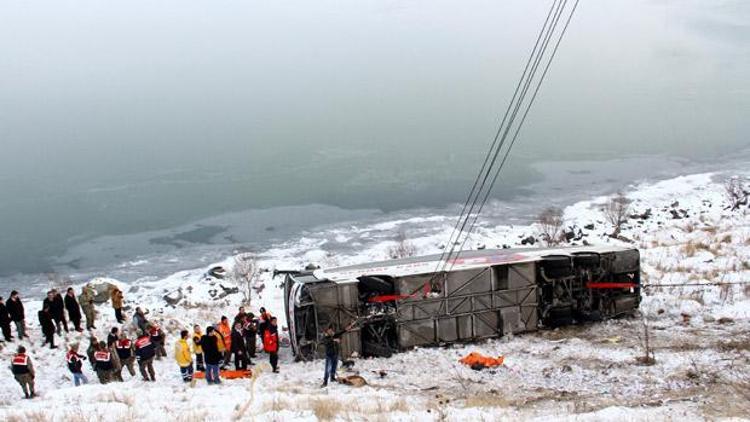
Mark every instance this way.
x=17 y=315
x=23 y=372
x=226 y=334
x=57 y=309
x=144 y=353
x=197 y=335
x=75 y=365
x=238 y=347
x=183 y=357
x=87 y=304
x=124 y=348
x=48 y=327
x=212 y=355
x=74 y=310
x=117 y=299
x=264 y=320
x=332 y=343
x=271 y=343
x=250 y=330
x=5 y=321
x=139 y=319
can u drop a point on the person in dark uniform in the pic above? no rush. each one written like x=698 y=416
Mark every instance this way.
x=104 y=365
x=23 y=371
x=144 y=353
x=124 y=348
x=73 y=308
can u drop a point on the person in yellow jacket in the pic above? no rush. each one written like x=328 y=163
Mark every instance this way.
x=226 y=335
x=197 y=349
x=183 y=357
x=117 y=299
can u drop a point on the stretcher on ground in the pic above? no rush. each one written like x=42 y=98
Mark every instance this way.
x=227 y=374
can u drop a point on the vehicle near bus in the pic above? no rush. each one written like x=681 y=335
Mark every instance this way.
x=430 y=301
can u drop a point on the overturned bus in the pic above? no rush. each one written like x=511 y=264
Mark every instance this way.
x=420 y=301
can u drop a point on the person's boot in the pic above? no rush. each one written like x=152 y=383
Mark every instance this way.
x=27 y=395
x=324 y=385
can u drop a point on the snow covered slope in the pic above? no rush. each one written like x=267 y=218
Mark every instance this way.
x=700 y=336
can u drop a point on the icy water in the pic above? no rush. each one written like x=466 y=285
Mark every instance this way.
x=139 y=139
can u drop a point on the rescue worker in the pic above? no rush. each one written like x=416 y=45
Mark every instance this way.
x=157 y=339
x=73 y=308
x=48 y=327
x=117 y=299
x=75 y=365
x=197 y=335
x=183 y=357
x=271 y=343
x=250 y=330
x=23 y=371
x=17 y=314
x=226 y=333
x=87 y=304
x=124 y=348
x=139 y=319
x=113 y=336
x=332 y=342
x=238 y=348
x=104 y=366
x=212 y=355
x=263 y=320
x=144 y=353
x=5 y=321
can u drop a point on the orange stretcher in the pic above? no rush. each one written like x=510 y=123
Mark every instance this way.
x=478 y=360
x=227 y=374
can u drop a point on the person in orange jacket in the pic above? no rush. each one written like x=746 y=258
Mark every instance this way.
x=226 y=333
x=271 y=344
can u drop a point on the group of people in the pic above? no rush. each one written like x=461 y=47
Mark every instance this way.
x=52 y=316
x=210 y=352
x=215 y=349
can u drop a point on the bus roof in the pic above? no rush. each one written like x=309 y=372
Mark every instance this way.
x=467 y=260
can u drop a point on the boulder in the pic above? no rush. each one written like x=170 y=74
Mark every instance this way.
x=102 y=288
x=528 y=241
x=173 y=297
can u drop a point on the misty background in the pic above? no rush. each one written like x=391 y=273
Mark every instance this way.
x=127 y=117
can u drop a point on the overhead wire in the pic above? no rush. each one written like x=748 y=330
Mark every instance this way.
x=518 y=128
x=538 y=53
x=474 y=192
